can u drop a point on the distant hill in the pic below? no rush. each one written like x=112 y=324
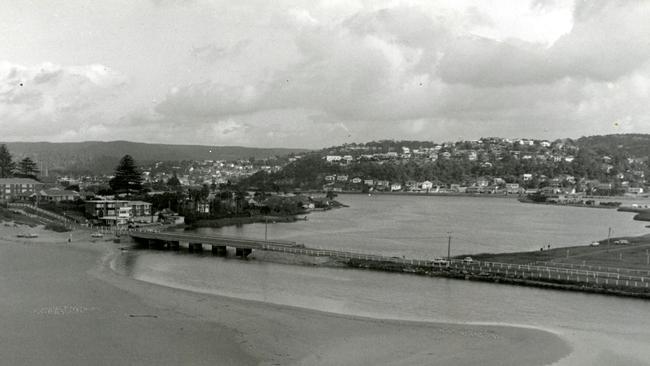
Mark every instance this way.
x=636 y=145
x=619 y=161
x=102 y=157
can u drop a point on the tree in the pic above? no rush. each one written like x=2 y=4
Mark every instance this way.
x=127 y=177
x=27 y=168
x=7 y=165
x=174 y=183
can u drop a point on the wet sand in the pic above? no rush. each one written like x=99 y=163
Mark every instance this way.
x=63 y=304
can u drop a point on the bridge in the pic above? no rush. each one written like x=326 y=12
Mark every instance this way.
x=637 y=280
x=219 y=244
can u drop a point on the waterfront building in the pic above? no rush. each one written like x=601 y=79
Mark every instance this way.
x=114 y=212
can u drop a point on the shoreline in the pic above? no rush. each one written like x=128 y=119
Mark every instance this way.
x=135 y=320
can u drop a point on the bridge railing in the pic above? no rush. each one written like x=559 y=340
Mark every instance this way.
x=640 y=272
x=524 y=271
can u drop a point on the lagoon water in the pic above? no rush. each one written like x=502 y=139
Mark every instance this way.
x=418 y=226
x=602 y=330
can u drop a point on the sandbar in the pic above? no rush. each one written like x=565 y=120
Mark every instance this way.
x=62 y=303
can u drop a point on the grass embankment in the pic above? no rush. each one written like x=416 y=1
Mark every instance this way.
x=32 y=221
x=625 y=259
x=228 y=221
x=20 y=219
x=627 y=256
x=642 y=213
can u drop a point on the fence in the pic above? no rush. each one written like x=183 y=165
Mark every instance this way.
x=32 y=210
x=639 y=272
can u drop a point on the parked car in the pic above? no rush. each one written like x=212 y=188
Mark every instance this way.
x=97 y=235
x=439 y=260
x=468 y=260
x=594 y=244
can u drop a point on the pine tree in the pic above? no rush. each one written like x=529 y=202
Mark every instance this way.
x=173 y=182
x=7 y=165
x=27 y=168
x=127 y=177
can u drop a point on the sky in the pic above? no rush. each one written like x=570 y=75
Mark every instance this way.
x=311 y=74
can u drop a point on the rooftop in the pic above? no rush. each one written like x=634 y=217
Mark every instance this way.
x=19 y=181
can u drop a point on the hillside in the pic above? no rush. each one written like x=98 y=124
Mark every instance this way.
x=101 y=157
x=637 y=145
x=613 y=163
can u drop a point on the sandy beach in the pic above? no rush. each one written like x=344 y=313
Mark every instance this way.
x=65 y=304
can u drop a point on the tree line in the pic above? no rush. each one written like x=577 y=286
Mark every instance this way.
x=25 y=168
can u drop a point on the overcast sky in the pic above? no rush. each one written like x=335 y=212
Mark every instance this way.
x=314 y=74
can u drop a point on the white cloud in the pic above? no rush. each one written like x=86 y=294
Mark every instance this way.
x=50 y=101
x=315 y=74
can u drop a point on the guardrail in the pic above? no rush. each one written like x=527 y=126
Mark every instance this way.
x=639 y=272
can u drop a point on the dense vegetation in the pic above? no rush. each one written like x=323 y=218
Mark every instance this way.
x=612 y=158
x=96 y=158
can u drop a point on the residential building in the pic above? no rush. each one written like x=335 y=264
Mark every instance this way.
x=18 y=188
x=57 y=195
x=482 y=182
x=512 y=188
x=113 y=212
x=426 y=185
x=635 y=190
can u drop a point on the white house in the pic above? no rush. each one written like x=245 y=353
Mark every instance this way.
x=426 y=185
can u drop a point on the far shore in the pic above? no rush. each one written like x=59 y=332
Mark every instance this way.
x=65 y=304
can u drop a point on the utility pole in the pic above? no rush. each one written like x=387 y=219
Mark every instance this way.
x=449 y=247
x=609 y=234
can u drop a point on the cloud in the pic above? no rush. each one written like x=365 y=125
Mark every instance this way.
x=405 y=72
x=48 y=100
x=609 y=42
x=320 y=73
